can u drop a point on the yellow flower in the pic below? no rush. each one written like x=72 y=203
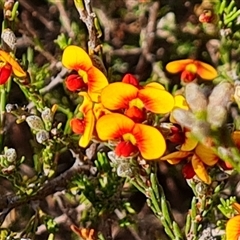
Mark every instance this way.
x=88 y=76
x=190 y=69
x=9 y=65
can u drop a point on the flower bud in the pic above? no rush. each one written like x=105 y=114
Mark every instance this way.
x=8 y=5
x=237 y=95
x=35 y=123
x=184 y=117
x=221 y=95
x=219 y=99
x=11 y=155
x=8 y=37
x=217 y=116
x=42 y=136
x=47 y=115
x=195 y=98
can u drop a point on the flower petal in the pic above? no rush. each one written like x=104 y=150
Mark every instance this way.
x=113 y=126
x=150 y=141
x=180 y=102
x=130 y=79
x=16 y=68
x=176 y=155
x=206 y=155
x=190 y=142
x=178 y=65
x=96 y=82
x=155 y=85
x=233 y=228
x=89 y=126
x=156 y=100
x=5 y=73
x=87 y=104
x=206 y=71
x=118 y=95
x=75 y=58
x=200 y=169
x=74 y=82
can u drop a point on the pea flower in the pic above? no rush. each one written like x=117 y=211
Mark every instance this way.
x=85 y=76
x=134 y=101
x=190 y=69
x=198 y=155
x=8 y=66
x=131 y=137
x=233 y=225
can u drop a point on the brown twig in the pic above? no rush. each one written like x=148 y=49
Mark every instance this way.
x=66 y=23
x=148 y=33
x=36 y=13
x=7 y=203
x=87 y=16
x=55 y=80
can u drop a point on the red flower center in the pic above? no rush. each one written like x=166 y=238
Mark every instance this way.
x=188 y=171
x=125 y=149
x=5 y=72
x=78 y=125
x=188 y=76
x=74 y=83
x=136 y=114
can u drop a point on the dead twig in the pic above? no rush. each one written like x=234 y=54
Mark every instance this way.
x=88 y=16
x=9 y=202
x=149 y=34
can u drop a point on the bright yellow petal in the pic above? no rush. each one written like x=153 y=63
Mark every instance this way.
x=118 y=95
x=16 y=68
x=200 y=169
x=174 y=161
x=190 y=142
x=150 y=141
x=155 y=85
x=75 y=58
x=180 y=102
x=99 y=110
x=89 y=126
x=178 y=65
x=113 y=126
x=206 y=71
x=156 y=100
x=233 y=228
x=87 y=104
x=96 y=82
x=176 y=155
x=206 y=155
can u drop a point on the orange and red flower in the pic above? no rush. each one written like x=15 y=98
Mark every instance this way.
x=190 y=69
x=199 y=155
x=131 y=137
x=153 y=97
x=87 y=76
x=8 y=66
